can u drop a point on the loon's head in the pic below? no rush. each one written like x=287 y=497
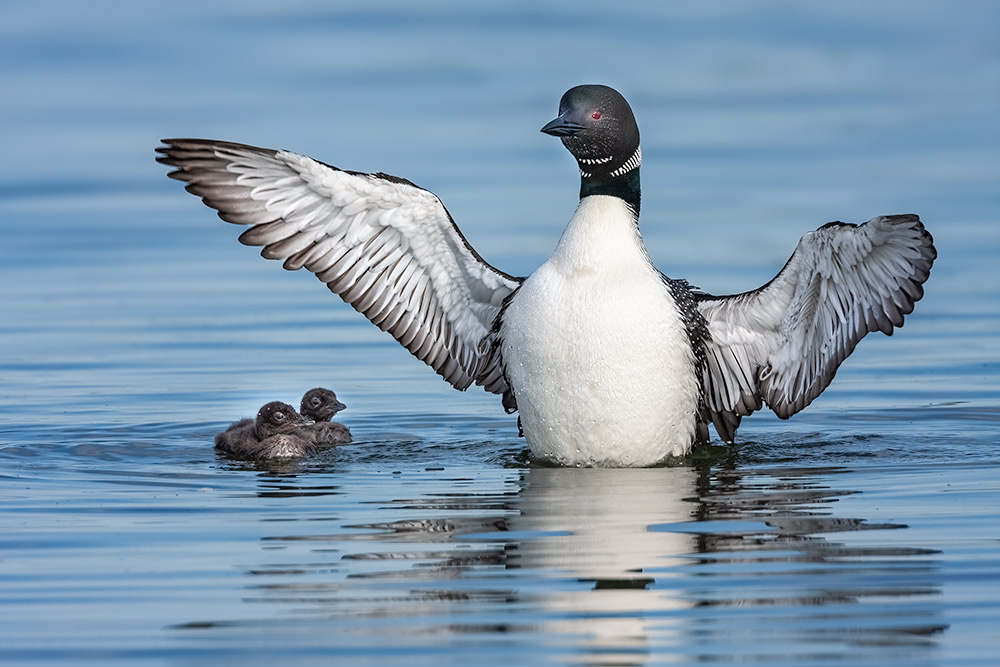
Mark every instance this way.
x=320 y=404
x=276 y=418
x=597 y=126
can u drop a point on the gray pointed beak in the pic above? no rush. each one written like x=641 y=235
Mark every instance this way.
x=560 y=127
x=338 y=406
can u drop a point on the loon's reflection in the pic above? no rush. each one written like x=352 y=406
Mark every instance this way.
x=613 y=562
x=597 y=532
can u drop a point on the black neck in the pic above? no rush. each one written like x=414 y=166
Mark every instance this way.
x=624 y=187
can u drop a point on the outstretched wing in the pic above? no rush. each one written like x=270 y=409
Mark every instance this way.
x=781 y=344
x=386 y=246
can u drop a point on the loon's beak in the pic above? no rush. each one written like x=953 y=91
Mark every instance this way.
x=338 y=406
x=561 y=127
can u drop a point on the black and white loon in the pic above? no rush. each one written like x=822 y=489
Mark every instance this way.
x=608 y=361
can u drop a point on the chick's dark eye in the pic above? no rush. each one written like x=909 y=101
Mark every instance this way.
x=279 y=416
x=596 y=115
x=314 y=402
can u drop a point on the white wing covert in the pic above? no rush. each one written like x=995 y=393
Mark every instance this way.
x=384 y=245
x=782 y=343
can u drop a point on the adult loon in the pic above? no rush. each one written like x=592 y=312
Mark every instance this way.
x=609 y=362
x=274 y=434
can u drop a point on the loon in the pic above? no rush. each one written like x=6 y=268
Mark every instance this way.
x=320 y=405
x=608 y=361
x=274 y=434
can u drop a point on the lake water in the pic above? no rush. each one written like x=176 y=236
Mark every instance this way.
x=864 y=531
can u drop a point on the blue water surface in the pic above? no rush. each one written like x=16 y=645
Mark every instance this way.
x=133 y=327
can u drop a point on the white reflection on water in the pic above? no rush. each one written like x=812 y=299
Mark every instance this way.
x=598 y=529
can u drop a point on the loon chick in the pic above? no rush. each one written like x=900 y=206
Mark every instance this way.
x=609 y=362
x=321 y=405
x=274 y=434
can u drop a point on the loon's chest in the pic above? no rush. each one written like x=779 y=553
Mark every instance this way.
x=598 y=292
x=596 y=352
x=589 y=309
x=608 y=328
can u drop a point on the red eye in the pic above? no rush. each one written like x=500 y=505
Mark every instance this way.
x=596 y=115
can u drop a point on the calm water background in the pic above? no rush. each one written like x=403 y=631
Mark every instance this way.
x=133 y=327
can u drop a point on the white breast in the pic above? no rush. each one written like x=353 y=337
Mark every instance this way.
x=596 y=352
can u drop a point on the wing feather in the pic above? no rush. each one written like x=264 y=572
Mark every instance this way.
x=386 y=246
x=781 y=344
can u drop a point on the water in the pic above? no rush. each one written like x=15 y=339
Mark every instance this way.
x=134 y=327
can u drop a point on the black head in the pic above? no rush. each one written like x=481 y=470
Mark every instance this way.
x=597 y=126
x=320 y=404
x=277 y=417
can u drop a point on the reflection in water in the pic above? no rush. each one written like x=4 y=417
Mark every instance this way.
x=597 y=538
x=610 y=566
